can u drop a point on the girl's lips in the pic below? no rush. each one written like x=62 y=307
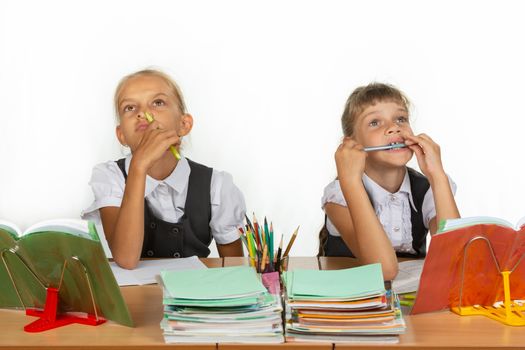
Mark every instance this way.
x=141 y=127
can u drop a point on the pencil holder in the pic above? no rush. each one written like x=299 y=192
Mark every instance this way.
x=283 y=266
x=259 y=242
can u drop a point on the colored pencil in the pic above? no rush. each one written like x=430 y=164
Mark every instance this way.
x=259 y=237
x=263 y=260
x=173 y=150
x=290 y=244
x=271 y=244
x=258 y=230
x=279 y=251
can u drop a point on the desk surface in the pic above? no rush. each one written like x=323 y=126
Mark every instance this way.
x=440 y=330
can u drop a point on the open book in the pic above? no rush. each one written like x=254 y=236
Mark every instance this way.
x=408 y=276
x=453 y=224
x=460 y=261
x=52 y=251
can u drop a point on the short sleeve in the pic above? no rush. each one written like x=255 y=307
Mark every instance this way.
x=107 y=183
x=333 y=194
x=429 y=207
x=227 y=208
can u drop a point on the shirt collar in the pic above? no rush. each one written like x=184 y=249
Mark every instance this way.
x=177 y=180
x=378 y=195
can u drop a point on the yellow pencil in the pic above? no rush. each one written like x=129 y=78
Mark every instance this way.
x=173 y=150
x=249 y=241
x=289 y=246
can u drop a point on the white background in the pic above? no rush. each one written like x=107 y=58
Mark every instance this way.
x=266 y=82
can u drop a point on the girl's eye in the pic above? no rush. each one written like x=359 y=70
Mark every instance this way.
x=401 y=120
x=374 y=122
x=159 y=102
x=128 y=108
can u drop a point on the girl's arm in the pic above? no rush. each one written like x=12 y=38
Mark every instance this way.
x=231 y=249
x=228 y=210
x=428 y=156
x=124 y=226
x=358 y=224
x=444 y=202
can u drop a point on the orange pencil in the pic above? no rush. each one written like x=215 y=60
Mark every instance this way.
x=257 y=230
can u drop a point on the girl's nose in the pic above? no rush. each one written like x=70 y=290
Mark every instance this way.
x=393 y=129
x=140 y=115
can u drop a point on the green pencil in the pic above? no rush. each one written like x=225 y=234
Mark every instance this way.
x=173 y=150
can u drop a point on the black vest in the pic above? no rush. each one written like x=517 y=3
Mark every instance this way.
x=191 y=235
x=419 y=185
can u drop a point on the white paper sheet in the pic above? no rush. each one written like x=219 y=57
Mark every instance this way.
x=146 y=270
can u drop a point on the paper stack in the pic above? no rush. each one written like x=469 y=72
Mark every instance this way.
x=350 y=305
x=147 y=271
x=408 y=276
x=219 y=305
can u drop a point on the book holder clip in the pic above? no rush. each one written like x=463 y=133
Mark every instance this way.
x=509 y=312
x=49 y=317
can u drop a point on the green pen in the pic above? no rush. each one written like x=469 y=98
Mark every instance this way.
x=173 y=150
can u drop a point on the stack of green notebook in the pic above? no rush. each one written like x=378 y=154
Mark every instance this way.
x=350 y=305
x=219 y=305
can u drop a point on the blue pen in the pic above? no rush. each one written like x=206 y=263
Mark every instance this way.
x=385 y=147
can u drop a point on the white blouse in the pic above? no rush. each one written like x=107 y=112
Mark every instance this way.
x=392 y=209
x=167 y=197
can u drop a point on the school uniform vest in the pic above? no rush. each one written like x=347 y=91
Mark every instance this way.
x=419 y=185
x=192 y=234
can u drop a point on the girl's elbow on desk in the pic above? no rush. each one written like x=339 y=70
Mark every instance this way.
x=126 y=262
x=389 y=271
x=389 y=267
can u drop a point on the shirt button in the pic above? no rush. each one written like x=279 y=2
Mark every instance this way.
x=153 y=225
x=175 y=230
x=396 y=229
x=392 y=198
x=150 y=253
x=176 y=255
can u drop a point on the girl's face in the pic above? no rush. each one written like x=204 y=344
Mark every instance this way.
x=381 y=124
x=147 y=93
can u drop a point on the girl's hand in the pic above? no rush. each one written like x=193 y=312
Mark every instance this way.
x=350 y=160
x=428 y=154
x=154 y=143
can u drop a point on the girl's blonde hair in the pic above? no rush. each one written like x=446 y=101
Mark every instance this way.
x=369 y=95
x=155 y=73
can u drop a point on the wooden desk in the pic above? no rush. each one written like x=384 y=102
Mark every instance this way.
x=442 y=330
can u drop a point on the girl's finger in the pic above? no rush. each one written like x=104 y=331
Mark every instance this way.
x=417 y=150
x=171 y=137
x=348 y=144
x=425 y=136
x=421 y=141
x=427 y=139
x=410 y=139
x=420 y=156
x=154 y=125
